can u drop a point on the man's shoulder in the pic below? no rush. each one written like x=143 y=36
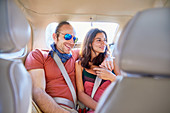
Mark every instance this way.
x=75 y=53
x=36 y=59
x=40 y=53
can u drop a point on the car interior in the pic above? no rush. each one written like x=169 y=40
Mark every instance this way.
x=140 y=44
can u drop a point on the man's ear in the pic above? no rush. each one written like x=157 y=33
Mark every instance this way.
x=54 y=36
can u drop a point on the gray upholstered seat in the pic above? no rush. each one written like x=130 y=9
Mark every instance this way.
x=15 y=82
x=143 y=49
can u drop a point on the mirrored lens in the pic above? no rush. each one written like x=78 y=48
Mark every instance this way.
x=75 y=39
x=67 y=36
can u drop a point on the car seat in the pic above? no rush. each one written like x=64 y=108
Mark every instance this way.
x=143 y=51
x=15 y=81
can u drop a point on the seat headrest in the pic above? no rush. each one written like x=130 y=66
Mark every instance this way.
x=144 y=45
x=15 y=31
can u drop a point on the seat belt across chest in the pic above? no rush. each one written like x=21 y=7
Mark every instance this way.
x=96 y=85
x=66 y=77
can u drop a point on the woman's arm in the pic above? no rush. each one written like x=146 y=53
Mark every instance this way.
x=106 y=74
x=82 y=96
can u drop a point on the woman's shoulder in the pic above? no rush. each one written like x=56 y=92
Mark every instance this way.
x=78 y=64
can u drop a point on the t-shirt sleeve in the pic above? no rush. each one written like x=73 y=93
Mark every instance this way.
x=34 y=60
x=75 y=53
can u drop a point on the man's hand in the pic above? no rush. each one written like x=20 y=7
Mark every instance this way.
x=108 y=63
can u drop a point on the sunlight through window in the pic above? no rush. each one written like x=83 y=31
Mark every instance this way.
x=82 y=28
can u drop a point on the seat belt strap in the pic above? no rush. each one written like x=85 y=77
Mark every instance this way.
x=64 y=101
x=96 y=85
x=66 y=76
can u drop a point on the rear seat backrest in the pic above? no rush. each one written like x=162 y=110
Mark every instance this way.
x=144 y=46
x=15 y=82
x=15 y=31
x=143 y=49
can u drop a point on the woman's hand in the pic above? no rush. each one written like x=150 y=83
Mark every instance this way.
x=104 y=74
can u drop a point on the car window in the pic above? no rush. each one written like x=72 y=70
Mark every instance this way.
x=82 y=28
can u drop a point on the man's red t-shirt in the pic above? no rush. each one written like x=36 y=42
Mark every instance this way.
x=55 y=83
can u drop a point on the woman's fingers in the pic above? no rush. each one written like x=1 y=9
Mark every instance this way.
x=101 y=72
x=104 y=74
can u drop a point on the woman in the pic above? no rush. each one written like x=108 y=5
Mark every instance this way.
x=93 y=52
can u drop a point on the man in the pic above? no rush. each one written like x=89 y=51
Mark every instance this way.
x=47 y=79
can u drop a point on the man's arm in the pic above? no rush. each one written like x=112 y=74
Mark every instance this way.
x=41 y=98
x=108 y=62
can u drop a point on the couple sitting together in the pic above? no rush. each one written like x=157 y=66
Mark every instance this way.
x=62 y=75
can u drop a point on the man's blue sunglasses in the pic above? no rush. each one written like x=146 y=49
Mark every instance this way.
x=69 y=36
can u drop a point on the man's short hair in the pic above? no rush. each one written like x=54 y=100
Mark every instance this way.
x=60 y=25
